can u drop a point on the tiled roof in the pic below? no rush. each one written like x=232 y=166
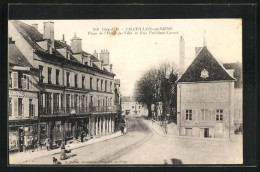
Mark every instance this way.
x=16 y=58
x=204 y=60
x=32 y=35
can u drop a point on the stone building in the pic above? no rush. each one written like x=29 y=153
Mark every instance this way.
x=23 y=101
x=131 y=107
x=76 y=89
x=205 y=98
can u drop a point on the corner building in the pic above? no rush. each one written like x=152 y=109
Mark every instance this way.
x=76 y=89
x=205 y=99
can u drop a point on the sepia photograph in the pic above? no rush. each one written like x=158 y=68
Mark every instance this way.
x=125 y=92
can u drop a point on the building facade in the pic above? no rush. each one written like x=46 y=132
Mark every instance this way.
x=205 y=98
x=23 y=101
x=131 y=107
x=75 y=89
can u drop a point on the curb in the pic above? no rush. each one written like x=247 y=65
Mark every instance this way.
x=58 y=151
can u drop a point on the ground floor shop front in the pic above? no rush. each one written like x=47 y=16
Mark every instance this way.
x=23 y=135
x=57 y=129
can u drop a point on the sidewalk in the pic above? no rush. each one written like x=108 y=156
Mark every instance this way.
x=20 y=158
x=160 y=130
x=172 y=131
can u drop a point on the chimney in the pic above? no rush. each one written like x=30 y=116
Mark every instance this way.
x=35 y=25
x=76 y=45
x=182 y=53
x=63 y=39
x=95 y=54
x=111 y=66
x=104 y=55
x=48 y=33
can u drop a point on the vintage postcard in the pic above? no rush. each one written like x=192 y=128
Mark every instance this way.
x=125 y=92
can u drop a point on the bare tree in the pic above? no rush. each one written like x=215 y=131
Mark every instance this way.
x=158 y=85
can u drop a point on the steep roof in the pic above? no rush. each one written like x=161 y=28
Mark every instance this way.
x=204 y=61
x=32 y=35
x=16 y=58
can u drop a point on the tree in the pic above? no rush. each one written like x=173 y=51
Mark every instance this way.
x=158 y=85
x=145 y=89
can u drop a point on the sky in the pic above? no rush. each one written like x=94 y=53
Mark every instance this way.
x=133 y=54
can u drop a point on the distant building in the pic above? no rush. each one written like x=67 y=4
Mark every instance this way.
x=131 y=107
x=205 y=98
x=236 y=69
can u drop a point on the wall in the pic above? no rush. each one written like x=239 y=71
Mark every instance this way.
x=209 y=96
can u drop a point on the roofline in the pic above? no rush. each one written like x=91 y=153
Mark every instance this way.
x=206 y=81
x=191 y=62
x=221 y=65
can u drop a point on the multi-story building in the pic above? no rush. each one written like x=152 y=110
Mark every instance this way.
x=76 y=89
x=131 y=107
x=23 y=101
x=205 y=98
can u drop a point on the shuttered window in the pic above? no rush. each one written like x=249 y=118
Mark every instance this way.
x=15 y=102
x=15 y=79
x=10 y=107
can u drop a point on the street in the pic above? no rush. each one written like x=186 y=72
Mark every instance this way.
x=142 y=145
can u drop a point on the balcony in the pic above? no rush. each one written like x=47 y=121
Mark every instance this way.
x=76 y=110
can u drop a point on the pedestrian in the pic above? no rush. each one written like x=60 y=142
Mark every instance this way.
x=63 y=153
x=82 y=136
x=48 y=144
x=122 y=129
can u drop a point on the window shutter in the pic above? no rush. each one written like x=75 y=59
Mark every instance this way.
x=15 y=79
x=15 y=103
x=213 y=114
x=183 y=115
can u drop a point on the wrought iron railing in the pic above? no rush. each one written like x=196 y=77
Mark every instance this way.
x=75 y=110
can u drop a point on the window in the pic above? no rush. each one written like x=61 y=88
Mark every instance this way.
x=68 y=79
x=49 y=75
x=83 y=81
x=76 y=101
x=97 y=83
x=43 y=129
x=105 y=86
x=31 y=108
x=139 y=107
x=101 y=84
x=20 y=107
x=76 y=80
x=111 y=86
x=204 y=114
x=41 y=76
x=91 y=80
x=133 y=107
x=219 y=115
x=10 y=106
x=10 y=80
x=189 y=115
x=20 y=80
x=57 y=77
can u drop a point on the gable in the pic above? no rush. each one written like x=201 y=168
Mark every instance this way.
x=205 y=68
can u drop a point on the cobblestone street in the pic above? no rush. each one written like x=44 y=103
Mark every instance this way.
x=144 y=145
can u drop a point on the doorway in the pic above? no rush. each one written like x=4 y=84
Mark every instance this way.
x=206 y=132
x=21 y=139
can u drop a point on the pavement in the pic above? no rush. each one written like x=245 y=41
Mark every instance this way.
x=21 y=157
